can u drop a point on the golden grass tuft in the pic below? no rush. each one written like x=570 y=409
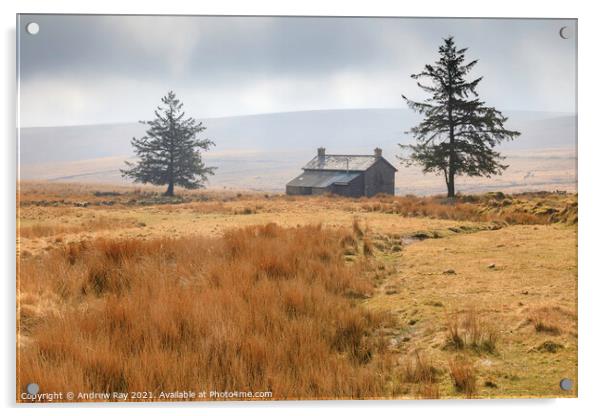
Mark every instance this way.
x=417 y=367
x=547 y=319
x=469 y=329
x=261 y=308
x=463 y=375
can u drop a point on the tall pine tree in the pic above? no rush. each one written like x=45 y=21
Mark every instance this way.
x=459 y=132
x=170 y=153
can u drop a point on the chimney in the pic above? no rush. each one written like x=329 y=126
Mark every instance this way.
x=378 y=152
x=321 y=151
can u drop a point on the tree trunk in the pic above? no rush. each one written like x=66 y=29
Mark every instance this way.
x=451 y=187
x=451 y=191
x=169 y=191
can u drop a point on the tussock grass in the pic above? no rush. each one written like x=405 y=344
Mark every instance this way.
x=262 y=308
x=526 y=208
x=543 y=322
x=463 y=375
x=418 y=367
x=348 y=243
x=418 y=370
x=549 y=319
x=177 y=301
x=470 y=330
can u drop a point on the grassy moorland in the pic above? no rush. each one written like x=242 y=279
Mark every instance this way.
x=121 y=289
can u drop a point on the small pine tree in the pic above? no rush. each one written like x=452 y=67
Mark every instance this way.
x=458 y=133
x=170 y=152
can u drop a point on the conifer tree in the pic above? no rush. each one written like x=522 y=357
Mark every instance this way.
x=170 y=152
x=458 y=133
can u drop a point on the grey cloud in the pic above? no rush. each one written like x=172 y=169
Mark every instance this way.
x=525 y=63
x=225 y=44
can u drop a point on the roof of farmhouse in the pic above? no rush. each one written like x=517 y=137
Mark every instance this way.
x=323 y=179
x=356 y=163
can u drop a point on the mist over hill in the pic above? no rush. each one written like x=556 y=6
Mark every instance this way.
x=264 y=151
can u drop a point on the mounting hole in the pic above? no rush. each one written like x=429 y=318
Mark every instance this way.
x=566 y=384
x=565 y=32
x=32 y=28
x=33 y=389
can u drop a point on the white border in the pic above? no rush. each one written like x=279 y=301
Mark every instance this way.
x=590 y=154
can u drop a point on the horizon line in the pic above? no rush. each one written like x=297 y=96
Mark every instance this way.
x=275 y=113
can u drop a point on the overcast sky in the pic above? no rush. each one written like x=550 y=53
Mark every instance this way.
x=104 y=69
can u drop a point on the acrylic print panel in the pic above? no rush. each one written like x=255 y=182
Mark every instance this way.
x=313 y=208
